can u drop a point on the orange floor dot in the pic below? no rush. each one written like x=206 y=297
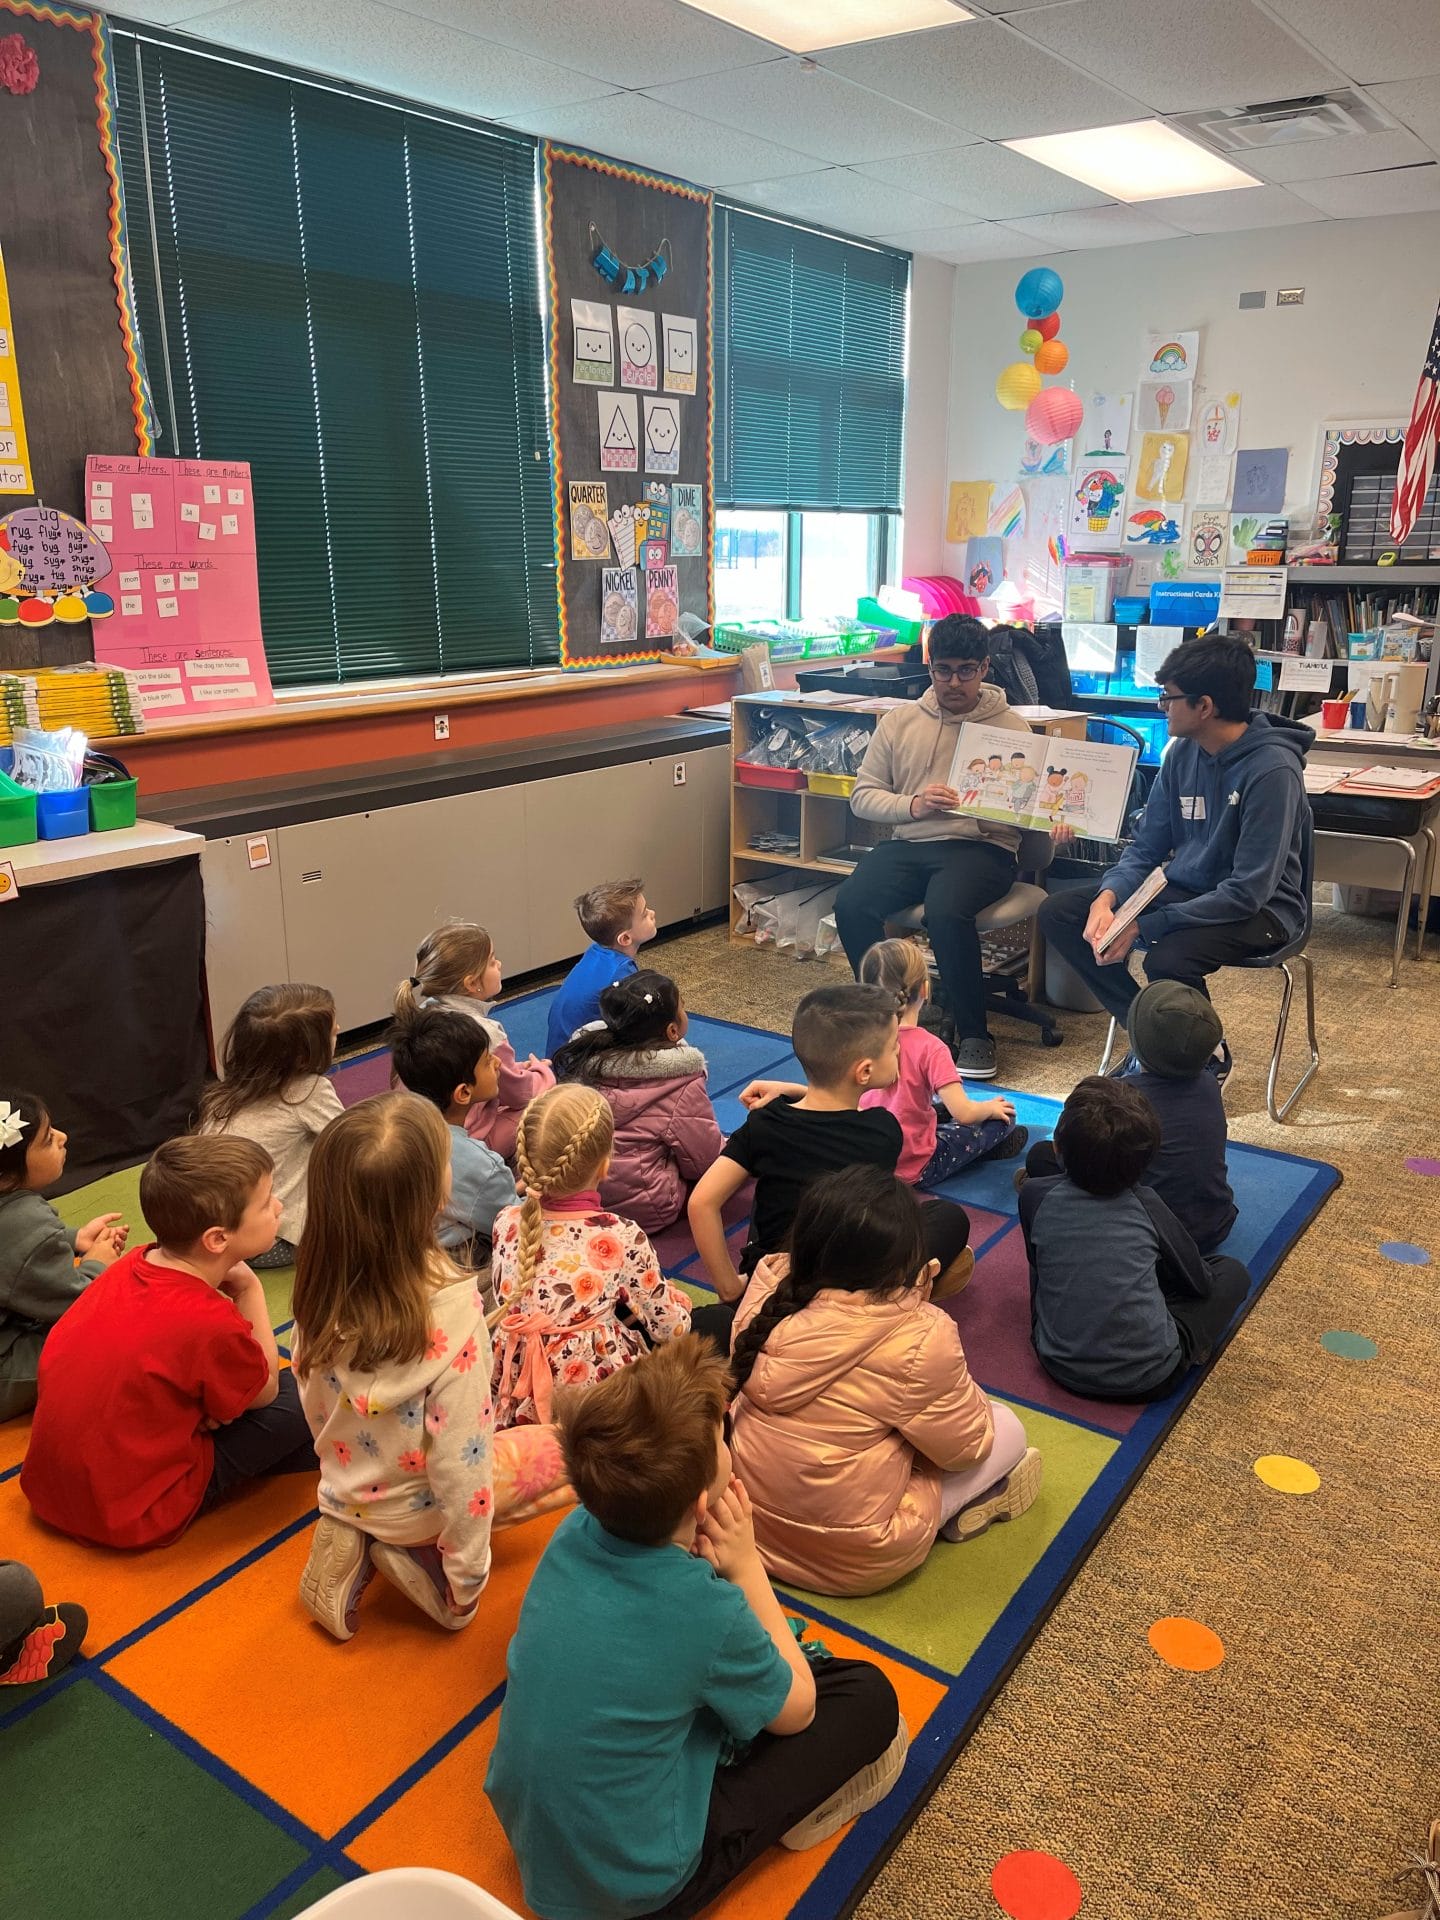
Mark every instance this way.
x=1035 y=1886
x=1186 y=1644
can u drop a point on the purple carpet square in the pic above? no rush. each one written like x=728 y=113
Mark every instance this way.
x=676 y=1245
x=358 y=1079
x=993 y=1315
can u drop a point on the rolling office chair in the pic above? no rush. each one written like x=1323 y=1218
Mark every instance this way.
x=1005 y=990
x=1286 y=958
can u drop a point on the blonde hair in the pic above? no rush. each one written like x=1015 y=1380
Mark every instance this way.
x=899 y=967
x=447 y=958
x=368 y=1258
x=564 y=1139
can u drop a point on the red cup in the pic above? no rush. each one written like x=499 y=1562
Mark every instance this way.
x=1334 y=714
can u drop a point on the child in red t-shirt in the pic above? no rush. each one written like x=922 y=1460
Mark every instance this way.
x=161 y=1389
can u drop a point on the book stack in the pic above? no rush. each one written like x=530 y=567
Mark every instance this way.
x=101 y=701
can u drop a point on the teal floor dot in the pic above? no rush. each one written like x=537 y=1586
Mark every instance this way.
x=1349 y=1346
x=1405 y=1253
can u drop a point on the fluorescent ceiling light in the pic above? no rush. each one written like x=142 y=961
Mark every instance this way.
x=1139 y=160
x=804 y=26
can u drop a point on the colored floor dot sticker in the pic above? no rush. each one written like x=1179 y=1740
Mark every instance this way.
x=1286 y=1475
x=1035 y=1886
x=1186 y=1644
x=1430 y=1168
x=1405 y=1253
x=1349 y=1346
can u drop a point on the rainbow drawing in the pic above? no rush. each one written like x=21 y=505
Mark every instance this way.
x=1007 y=516
x=1171 y=358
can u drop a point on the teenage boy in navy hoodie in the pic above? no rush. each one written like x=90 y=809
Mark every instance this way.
x=1225 y=819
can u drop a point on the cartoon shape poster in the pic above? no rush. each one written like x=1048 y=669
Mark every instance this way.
x=639 y=357
x=1097 y=503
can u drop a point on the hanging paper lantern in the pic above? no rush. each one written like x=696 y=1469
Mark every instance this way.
x=1031 y=341
x=1054 y=415
x=1048 y=327
x=1017 y=386
x=1040 y=291
x=1053 y=356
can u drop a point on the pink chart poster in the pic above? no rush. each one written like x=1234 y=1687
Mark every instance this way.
x=181 y=535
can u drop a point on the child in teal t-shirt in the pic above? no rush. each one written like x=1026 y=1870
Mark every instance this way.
x=661 y=1726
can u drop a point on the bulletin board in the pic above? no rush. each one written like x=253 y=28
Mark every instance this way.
x=632 y=406
x=71 y=328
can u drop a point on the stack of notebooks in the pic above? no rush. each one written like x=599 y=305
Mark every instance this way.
x=100 y=701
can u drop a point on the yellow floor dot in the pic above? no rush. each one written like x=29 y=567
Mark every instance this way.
x=1285 y=1475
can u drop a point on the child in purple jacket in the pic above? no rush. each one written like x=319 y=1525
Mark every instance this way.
x=666 y=1134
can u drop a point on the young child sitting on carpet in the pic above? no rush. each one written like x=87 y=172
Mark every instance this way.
x=616 y=921
x=666 y=1134
x=847 y=1040
x=36 y=1641
x=583 y=1290
x=976 y=1129
x=458 y=970
x=857 y=1428
x=277 y=1092
x=160 y=1390
x=446 y=1059
x=1122 y=1301
x=652 y=1662
x=44 y=1266
x=393 y=1360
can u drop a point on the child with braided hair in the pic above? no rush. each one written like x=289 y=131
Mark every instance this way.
x=856 y=1428
x=583 y=1289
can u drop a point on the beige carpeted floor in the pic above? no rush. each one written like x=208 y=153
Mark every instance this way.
x=1293 y=1782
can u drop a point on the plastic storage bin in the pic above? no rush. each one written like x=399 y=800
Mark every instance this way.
x=18 y=826
x=779 y=779
x=1131 y=610
x=839 y=786
x=1091 y=582
x=1184 y=603
x=60 y=816
x=112 y=805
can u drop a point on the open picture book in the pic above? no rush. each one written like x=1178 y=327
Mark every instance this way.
x=1043 y=781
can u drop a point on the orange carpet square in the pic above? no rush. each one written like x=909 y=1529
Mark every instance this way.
x=321 y=1726
x=122 y=1590
x=446 y=1821
x=14 y=1438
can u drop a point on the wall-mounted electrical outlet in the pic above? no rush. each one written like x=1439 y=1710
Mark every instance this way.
x=442 y=726
x=679 y=773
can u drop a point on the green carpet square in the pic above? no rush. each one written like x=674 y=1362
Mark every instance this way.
x=95 y=1801
x=306 y=1896
x=943 y=1610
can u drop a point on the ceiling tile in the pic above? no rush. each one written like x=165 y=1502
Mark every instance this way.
x=1323 y=159
x=1402 y=190
x=984 y=78
x=378 y=47
x=173 y=13
x=632 y=126
x=989 y=242
x=936 y=239
x=1181 y=54
x=988 y=181
x=817 y=113
x=1237 y=212
x=1417 y=103
x=839 y=198
x=1094 y=227
x=1393 y=41
x=630 y=43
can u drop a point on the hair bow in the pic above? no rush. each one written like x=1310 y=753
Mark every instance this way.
x=649 y=999
x=12 y=1127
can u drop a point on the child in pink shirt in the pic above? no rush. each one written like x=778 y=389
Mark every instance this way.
x=976 y=1129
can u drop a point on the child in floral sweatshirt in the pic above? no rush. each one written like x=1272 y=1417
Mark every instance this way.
x=583 y=1289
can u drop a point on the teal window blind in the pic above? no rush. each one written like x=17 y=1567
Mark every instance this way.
x=346 y=294
x=810 y=368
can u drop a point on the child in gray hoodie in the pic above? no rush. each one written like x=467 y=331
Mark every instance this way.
x=44 y=1266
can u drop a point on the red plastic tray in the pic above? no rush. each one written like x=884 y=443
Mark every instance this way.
x=781 y=779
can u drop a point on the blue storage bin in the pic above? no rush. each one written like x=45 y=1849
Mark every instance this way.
x=1184 y=603
x=60 y=816
x=1131 y=610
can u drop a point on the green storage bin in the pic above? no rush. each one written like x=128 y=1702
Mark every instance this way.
x=19 y=826
x=112 y=805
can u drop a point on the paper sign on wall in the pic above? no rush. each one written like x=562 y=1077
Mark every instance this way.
x=589 y=511
x=619 y=601
x=619 y=415
x=662 y=603
x=1160 y=472
x=1165 y=405
x=687 y=522
x=681 y=358
x=1212 y=485
x=984 y=566
x=1218 y=427
x=662 y=436
x=1106 y=427
x=594 y=343
x=1260 y=479
x=1298 y=675
x=1253 y=593
x=1209 y=531
x=968 y=514
x=1172 y=356
x=1097 y=503
x=638 y=356
x=14 y=450
x=1154 y=527
x=1007 y=515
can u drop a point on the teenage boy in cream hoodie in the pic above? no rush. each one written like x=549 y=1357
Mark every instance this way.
x=956 y=864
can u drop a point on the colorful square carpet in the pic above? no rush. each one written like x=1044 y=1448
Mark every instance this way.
x=215 y=1754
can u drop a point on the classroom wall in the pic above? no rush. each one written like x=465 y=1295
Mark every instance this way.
x=927 y=414
x=1352 y=352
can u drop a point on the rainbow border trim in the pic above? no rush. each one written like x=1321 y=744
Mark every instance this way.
x=550 y=153
x=94 y=25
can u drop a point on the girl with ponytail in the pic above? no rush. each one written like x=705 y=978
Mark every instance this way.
x=857 y=1429
x=666 y=1134
x=582 y=1290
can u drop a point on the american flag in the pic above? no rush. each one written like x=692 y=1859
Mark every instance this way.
x=1417 y=456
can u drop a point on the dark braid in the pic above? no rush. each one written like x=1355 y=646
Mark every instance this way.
x=859 y=1231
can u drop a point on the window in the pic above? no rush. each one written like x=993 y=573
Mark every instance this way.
x=750 y=566
x=810 y=392
x=346 y=294
x=771 y=566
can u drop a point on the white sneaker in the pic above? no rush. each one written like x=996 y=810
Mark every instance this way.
x=402 y=1569
x=861 y=1791
x=336 y=1574
x=1006 y=1501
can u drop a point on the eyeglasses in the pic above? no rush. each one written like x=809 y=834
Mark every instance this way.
x=971 y=670
x=1167 y=700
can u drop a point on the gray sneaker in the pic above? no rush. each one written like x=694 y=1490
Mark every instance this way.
x=976 y=1058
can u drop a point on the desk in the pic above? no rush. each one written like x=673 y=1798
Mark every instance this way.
x=104 y=1015
x=1354 y=832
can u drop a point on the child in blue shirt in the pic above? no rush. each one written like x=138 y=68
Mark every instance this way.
x=617 y=921
x=652 y=1663
x=445 y=1058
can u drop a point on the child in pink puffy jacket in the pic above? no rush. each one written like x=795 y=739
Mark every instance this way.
x=666 y=1134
